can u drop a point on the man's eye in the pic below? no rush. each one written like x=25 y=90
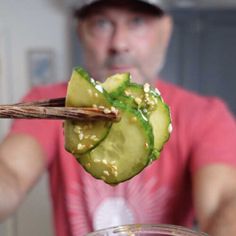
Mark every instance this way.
x=103 y=24
x=137 y=21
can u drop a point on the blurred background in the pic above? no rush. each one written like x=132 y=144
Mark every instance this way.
x=38 y=45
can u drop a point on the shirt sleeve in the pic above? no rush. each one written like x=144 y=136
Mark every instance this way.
x=45 y=132
x=214 y=135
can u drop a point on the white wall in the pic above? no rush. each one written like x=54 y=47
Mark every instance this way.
x=33 y=24
x=25 y=25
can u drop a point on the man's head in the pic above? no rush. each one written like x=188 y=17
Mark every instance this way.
x=124 y=36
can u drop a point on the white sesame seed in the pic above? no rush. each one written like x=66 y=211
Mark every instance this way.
x=96 y=95
x=77 y=129
x=95 y=106
x=101 y=107
x=80 y=146
x=96 y=160
x=105 y=172
x=138 y=100
x=106 y=111
x=127 y=93
x=104 y=161
x=81 y=136
x=157 y=91
x=114 y=110
x=115 y=173
x=170 y=128
x=146 y=87
x=93 y=137
x=114 y=167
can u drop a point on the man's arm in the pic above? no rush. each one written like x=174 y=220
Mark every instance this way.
x=21 y=163
x=214 y=189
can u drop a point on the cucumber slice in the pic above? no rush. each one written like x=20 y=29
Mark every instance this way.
x=160 y=121
x=152 y=105
x=116 y=84
x=125 y=151
x=83 y=91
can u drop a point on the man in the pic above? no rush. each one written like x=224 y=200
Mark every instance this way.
x=195 y=177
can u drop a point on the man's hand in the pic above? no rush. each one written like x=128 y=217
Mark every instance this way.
x=21 y=163
x=215 y=199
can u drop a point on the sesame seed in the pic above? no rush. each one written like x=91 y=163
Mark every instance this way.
x=93 y=137
x=101 y=107
x=114 y=110
x=77 y=129
x=96 y=95
x=80 y=146
x=105 y=172
x=127 y=93
x=157 y=91
x=95 y=106
x=170 y=128
x=115 y=173
x=138 y=100
x=81 y=136
x=104 y=161
x=146 y=87
x=114 y=167
x=106 y=111
x=96 y=161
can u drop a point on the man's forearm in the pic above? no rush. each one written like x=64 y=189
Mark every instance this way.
x=222 y=222
x=9 y=192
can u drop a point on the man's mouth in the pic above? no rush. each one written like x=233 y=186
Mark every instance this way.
x=123 y=68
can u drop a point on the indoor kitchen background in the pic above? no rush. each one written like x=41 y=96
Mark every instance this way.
x=38 y=43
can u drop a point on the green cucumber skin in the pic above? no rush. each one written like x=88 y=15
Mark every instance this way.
x=95 y=163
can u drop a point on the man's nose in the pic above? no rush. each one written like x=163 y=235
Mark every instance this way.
x=120 y=39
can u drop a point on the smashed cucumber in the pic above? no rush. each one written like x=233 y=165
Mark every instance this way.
x=125 y=151
x=116 y=152
x=83 y=91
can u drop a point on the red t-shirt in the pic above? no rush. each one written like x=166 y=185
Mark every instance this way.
x=204 y=132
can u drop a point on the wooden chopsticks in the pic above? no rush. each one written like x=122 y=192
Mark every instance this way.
x=55 y=109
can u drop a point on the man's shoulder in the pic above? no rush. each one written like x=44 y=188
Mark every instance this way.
x=189 y=103
x=175 y=94
x=47 y=91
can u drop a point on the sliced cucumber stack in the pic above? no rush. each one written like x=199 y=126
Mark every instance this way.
x=116 y=152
